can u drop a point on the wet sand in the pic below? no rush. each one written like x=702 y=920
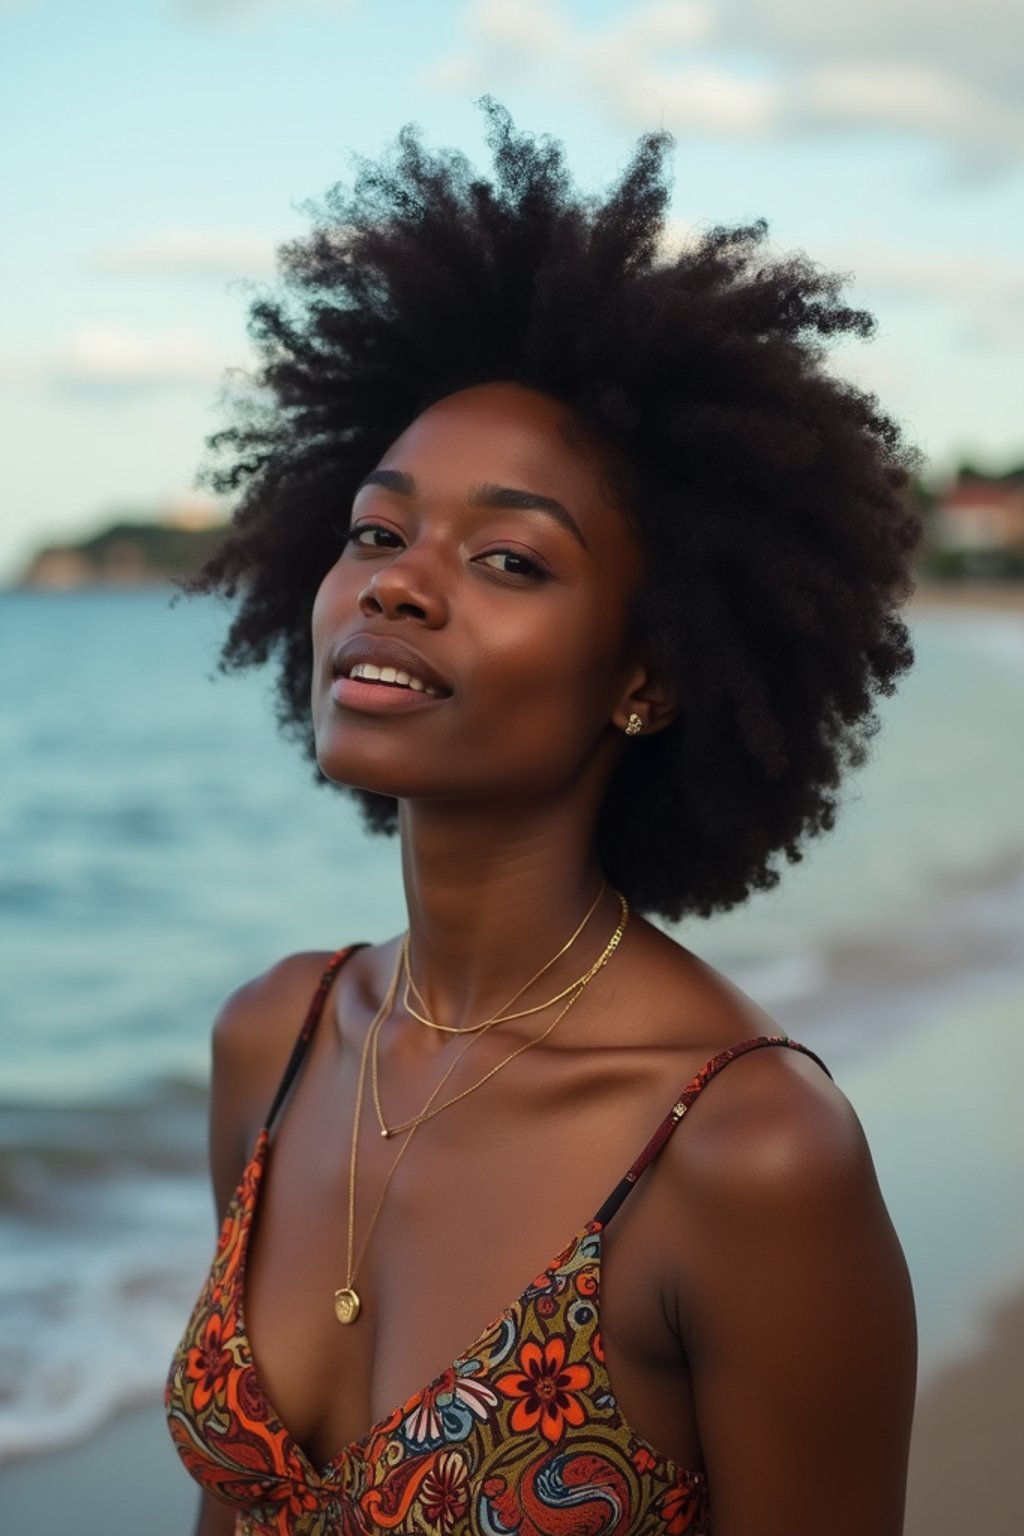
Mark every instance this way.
x=969 y=1438
x=964 y=1469
x=122 y=1481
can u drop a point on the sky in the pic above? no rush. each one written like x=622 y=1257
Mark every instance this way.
x=158 y=151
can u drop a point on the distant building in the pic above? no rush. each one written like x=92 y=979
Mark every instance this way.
x=977 y=516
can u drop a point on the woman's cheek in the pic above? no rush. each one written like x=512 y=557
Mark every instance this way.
x=328 y=609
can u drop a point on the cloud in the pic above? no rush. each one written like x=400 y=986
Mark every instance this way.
x=978 y=296
x=522 y=26
x=109 y=359
x=179 y=253
x=975 y=34
x=963 y=279
x=735 y=68
x=701 y=97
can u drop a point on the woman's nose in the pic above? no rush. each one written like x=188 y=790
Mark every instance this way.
x=403 y=589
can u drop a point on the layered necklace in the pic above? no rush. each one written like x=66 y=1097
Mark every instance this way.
x=347 y=1302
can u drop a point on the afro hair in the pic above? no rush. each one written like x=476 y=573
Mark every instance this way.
x=770 y=498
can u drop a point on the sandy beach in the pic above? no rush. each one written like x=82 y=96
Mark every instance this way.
x=968 y=1435
x=124 y=1480
x=988 y=596
x=964 y=1475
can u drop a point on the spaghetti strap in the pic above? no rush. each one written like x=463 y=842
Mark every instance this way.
x=693 y=1089
x=306 y=1033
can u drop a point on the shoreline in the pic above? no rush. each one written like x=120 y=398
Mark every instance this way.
x=968 y=1427
x=986 y=596
x=1000 y=596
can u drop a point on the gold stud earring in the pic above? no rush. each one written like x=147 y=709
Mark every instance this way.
x=634 y=725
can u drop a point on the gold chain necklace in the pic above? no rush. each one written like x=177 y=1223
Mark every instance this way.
x=502 y=1017
x=430 y=1109
x=347 y=1301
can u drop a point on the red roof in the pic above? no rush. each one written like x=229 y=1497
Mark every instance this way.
x=969 y=494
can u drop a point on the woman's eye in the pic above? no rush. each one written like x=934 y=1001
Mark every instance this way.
x=371 y=536
x=518 y=565
x=355 y=536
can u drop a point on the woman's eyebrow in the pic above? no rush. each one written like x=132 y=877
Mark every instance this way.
x=389 y=480
x=497 y=498
x=503 y=498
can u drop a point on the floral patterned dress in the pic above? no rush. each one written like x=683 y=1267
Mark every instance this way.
x=522 y=1434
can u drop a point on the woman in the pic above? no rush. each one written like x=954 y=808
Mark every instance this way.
x=592 y=574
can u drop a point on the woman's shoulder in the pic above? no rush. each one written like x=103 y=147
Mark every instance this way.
x=770 y=1157
x=271 y=1005
x=770 y=1127
x=764 y=1119
x=254 y=1033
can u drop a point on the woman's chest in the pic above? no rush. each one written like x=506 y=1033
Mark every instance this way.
x=459 y=1237
x=522 y=1431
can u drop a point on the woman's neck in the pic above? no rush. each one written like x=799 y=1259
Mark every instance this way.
x=492 y=896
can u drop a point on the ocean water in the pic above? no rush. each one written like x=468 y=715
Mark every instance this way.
x=159 y=844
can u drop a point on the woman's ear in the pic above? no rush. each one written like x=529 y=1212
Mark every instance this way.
x=650 y=700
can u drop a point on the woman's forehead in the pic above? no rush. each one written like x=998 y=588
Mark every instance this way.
x=505 y=434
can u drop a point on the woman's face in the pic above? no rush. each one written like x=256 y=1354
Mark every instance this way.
x=485 y=561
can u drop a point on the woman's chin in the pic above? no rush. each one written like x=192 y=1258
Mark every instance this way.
x=340 y=770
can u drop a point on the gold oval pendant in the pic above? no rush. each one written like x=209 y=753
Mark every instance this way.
x=346 y=1305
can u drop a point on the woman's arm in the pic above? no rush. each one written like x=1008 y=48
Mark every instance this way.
x=795 y=1308
x=214 y=1519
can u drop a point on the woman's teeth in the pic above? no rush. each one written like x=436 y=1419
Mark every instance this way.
x=371 y=674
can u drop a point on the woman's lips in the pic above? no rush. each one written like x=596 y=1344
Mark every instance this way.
x=375 y=698
x=376 y=654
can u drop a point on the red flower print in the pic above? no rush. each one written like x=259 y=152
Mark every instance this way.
x=292 y=1498
x=546 y=1388
x=678 y=1508
x=445 y=1491
x=597 y=1347
x=208 y=1363
x=643 y=1460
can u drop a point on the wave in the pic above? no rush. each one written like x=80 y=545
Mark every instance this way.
x=90 y=1316
x=105 y=1231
